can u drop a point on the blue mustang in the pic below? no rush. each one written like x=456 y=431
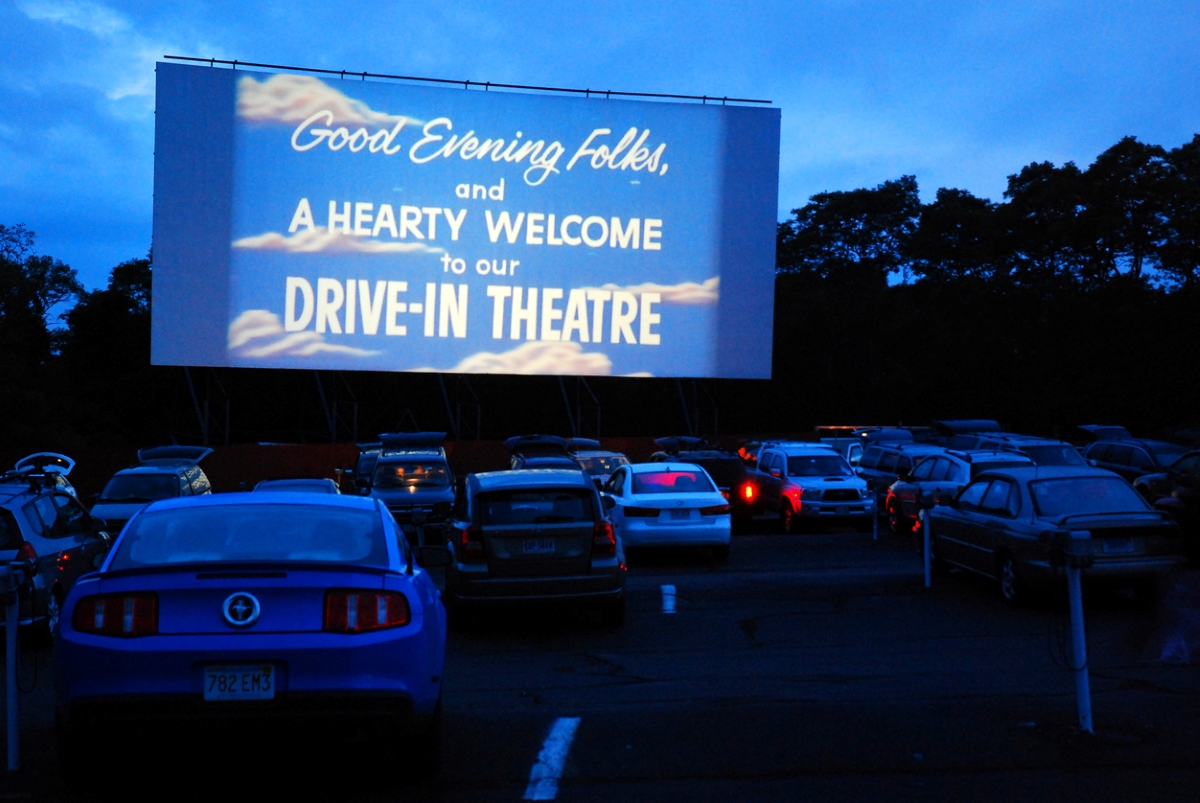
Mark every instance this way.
x=255 y=608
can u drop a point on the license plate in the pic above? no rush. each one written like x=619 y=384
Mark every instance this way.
x=681 y=514
x=239 y=682
x=538 y=546
x=1117 y=546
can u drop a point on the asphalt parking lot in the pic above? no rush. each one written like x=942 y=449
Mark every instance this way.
x=807 y=667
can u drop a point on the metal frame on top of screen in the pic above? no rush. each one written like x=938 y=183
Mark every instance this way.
x=235 y=63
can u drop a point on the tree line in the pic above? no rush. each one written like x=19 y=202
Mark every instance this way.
x=1074 y=299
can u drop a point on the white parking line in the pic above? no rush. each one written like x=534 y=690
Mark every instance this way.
x=543 y=778
x=668 y=599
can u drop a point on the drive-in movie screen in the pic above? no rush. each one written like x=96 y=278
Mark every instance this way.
x=354 y=225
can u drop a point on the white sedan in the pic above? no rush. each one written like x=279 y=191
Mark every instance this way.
x=668 y=504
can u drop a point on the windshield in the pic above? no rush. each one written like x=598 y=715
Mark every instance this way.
x=140 y=488
x=413 y=472
x=1054 y=455
x=253 y=533
x=818 y=465
x=535 y=506
x=1085 y=495
x=672 y=482
x=601 y=464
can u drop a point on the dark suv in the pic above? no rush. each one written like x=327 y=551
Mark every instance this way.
x=163 y=472
x=1134 y=458
x=727 y=470
x=411 y=476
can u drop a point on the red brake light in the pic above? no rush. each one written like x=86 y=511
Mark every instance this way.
x=470 y=543
x=748 y=492
x=125 y=615
x=26 y=552
x=354 y=610
x=715 y=510
x=604 y=541
x=641 y=512
x=725 y=494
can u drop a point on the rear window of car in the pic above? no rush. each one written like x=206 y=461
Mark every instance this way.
x=10 y=533
x=1054 y=455
x=1085 y=495
x=253 y=534
x=535 y=506
x=870 y=457
x=671 y=482
x=141 y=488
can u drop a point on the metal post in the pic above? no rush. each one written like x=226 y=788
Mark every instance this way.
x=874 y=510
x=928 y=556
x=12 y=616
x=1078 y=638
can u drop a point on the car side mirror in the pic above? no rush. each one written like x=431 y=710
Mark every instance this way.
x=775 y=472
x=431 y=556
x=1091 y=462
x=608 y=502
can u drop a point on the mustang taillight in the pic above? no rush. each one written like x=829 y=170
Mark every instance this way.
x=641 y=512
x=604 y=541
x=715 y=510
x=470 y=544
x=354 y=610
x=125 y=615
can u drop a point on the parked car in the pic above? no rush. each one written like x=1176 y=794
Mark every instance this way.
x=883 y=464
x=52 y=467
x=1090 y=433
x=287 y=609
x=941 y=476
x=164 y=472
x=1000 y=526
x=1134 y=458
x=412 y=477
x=49 y=526
x=541 y=451
x=533 y=536
x=808 y=482
x=1177 y=492
x=599 y=464
x=1042 y=451
x=307 y=485
x=669 y=504
x=726 y=469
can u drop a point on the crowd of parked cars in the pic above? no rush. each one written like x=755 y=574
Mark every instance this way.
x=312 y=595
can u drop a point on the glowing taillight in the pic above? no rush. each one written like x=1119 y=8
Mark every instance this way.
x=604 y=540
x=355 y=610
x=726 y=495
x=124 y=615
x=26 y=552
x=748 y=492
x=715 y=510
x=641 y=512
x=470 y=544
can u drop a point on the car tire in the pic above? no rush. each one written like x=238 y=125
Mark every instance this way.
x=42 y=632
x=787 y=519
x=1008 y=581
x=612 y=614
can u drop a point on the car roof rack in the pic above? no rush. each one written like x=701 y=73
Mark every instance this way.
x=173 y=455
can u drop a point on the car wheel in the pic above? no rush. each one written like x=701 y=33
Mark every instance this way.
x=893 y=518
x=1008 y=579
x=787 y=518
x=612 y=614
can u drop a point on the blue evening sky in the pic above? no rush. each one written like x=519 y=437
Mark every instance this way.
x=961 y=94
